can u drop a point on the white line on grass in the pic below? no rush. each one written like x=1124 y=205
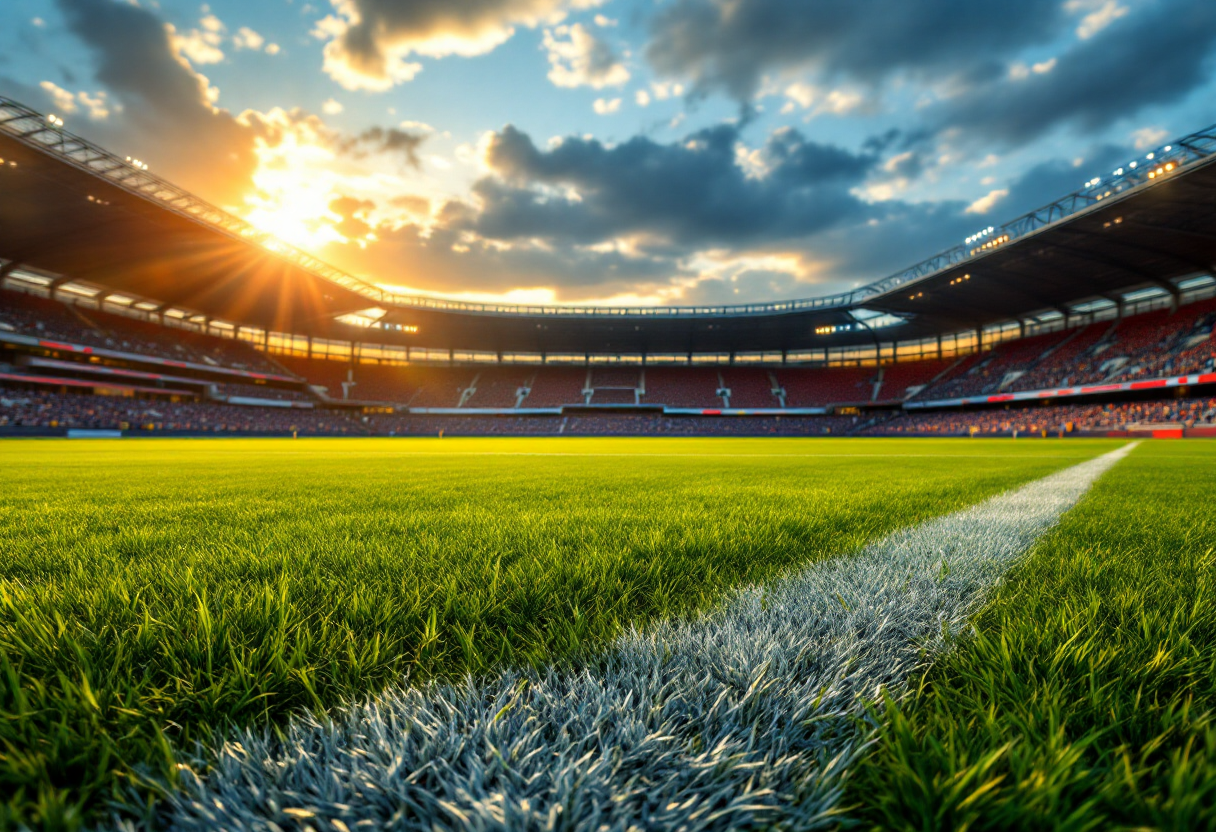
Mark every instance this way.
x=699 y=455
x=743 y=717
x=693 y=455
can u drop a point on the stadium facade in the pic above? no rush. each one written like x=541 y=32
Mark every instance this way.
x=101 y=233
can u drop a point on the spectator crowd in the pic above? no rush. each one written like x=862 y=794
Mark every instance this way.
x=21 y=408
x=1053 y=419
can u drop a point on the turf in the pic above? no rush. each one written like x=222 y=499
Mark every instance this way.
x=153 y=592
x=1086 y=697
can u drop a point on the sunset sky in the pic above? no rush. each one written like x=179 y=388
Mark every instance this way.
x=620 y=151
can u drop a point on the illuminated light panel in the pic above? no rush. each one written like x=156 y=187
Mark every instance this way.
x=991 y=244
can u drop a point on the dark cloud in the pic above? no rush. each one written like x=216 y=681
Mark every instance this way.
x=689 y=193
x=1048 y=181
x=905 y=234
x=28 y=95
x=446 y=260
x=730 y=45
x=1157 y=54
x=353 y=215
x=168 y=118
x=384 y=140
x=746 y=285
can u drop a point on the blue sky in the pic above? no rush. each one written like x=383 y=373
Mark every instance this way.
x=679 y=151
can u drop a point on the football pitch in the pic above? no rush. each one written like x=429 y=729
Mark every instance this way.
x=185 y=623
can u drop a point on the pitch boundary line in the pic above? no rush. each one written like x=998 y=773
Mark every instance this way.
x=675 y=454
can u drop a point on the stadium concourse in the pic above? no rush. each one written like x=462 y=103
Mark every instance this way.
x=69 y=366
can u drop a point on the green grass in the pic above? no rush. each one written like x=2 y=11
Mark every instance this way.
x=152 y=592
x=1086 y=698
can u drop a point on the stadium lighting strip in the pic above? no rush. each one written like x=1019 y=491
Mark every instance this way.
x=47 y=134
x=745 y=717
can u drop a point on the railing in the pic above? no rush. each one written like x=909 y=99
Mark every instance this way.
x=36 y=130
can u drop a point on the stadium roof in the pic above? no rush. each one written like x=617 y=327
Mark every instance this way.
x=74 y=209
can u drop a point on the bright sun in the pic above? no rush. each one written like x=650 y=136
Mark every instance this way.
x=295 y=186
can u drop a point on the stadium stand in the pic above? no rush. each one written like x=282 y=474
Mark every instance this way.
x=1127 y=340
x=614 y=395
x=750 y=388
x=260 y=391
x=615 y=385
x=1150 y=345
x=683 y=387
x=808 y=387
x=1160 y=344
x=899 y=379
x=52 y=319
x=992 y=370
x=320 y=372
x=190 y=346
x=959 y=368
x=499 y=387
x=437 y=386
x=557 y=386
x=617 y=377
x=1053 y=418
x=610 y=425
x=24 y=408
x=1052 y=370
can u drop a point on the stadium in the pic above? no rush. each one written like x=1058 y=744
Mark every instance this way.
x=286 y=548
x=1086 y=310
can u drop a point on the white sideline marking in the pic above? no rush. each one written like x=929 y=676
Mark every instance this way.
x=694 y=455
x=742 y=717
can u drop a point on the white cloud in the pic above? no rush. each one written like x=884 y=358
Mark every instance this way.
x=985 y=203
x=898 y=160
x=332 y=107
x=841 y=102
x=577 y=58
x=1020 y=71
x=1098 y=15
x=96 y=105
x=246 y=38
x=419 y=126
x=666 y=89
x=803 y=95
x=642 y=98
x=343 y=68
x=273 y=49
x=605 y=106
x=67 y=103
x=604 y=22
x=1146 y=138
x=39 y=22
x=63 y=100
x=818 y=102
x=202 y=45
